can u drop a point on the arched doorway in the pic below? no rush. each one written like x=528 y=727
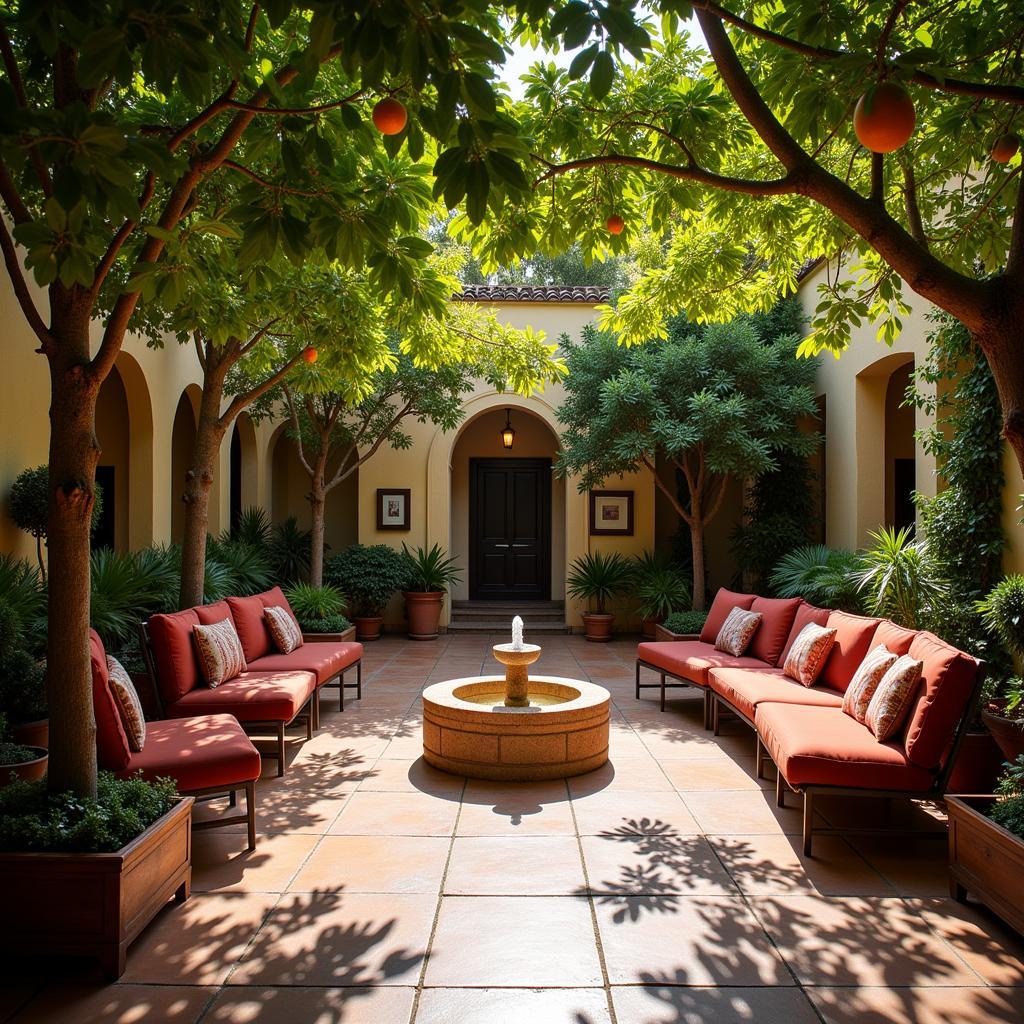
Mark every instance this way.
x=183 y=439
x=113 y=430
x=900 y=445
x=243 y=484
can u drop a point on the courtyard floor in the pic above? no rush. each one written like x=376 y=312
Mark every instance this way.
x=666 y=887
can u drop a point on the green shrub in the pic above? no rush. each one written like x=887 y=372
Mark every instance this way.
x=315 y=604
x=660 y=592
x=289 y=549
x=902 y=580
x=367 y=576
x=686 y=622
x=22 y=674
x=13 y=753
x=22 y=590
x=31 y=819
x=330 y=624
x=1008 y=811
x=253 y=527
x=1003 y=612
x=249 y=567
x=821 y=575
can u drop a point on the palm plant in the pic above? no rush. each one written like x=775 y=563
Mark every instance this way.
x=661 y=592
x=23 y=590
x=311 y=603
x=289 y=549
x=900 y=578
x=821 y=575
x=249 y=565
x=598 y=578
x=125 y=589
x=430 y=571
x=253 y=526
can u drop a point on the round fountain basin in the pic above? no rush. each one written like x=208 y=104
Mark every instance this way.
x=467 y=730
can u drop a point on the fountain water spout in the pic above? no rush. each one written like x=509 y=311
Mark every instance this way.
x=516 y=657
x=517 y=634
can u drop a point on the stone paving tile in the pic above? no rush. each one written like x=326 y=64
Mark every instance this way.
x=509 y=1005
x=664 y=1004
x=293 y=1005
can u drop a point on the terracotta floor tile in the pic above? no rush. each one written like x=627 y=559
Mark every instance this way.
x=349 y=940
x=410 y=864
x=515 y=866
x=621 y=772
x=768 y=865
x=686 y=940
x=914 y=867
x=221 y=861
x=508 y=810
x=626 y=813
x=513 y=1006
x=514 y=941
x=859 y=941
x=743 y=813
x=198 y=942
x=396 y=814
x=671 y=1005
x=654 y=865
x=416 y=776
x=713 y=775
x=311 y=1006
x=919 y=1005
x=117 y=1004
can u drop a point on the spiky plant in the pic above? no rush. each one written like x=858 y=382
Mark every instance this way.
x=901 y=579
x=598 y=578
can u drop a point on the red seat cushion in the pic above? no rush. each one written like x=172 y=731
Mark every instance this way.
x=825 y=747
x=853 y=639
x=208 y=614
x=894 y=638
x=198 y=753
x=805 y=615
x=323 y=658
x=174 y=652
x=112 y=748
x=777 y=614
x=251 y=623
x=947 y=683
x=250 y=697
x=691 y=659
x=746 y=688
x=724 y=602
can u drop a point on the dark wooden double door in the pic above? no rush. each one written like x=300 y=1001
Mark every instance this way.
x=510 y=529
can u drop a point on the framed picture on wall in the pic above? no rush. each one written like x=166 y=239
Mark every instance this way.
x=611 y=513
x=392 y=508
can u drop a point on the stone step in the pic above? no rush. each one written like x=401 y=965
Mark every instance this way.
x=520 y=607
x=461 y=614
x=477 y=626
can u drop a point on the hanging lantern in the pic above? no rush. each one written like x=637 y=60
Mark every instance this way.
x=508 y=435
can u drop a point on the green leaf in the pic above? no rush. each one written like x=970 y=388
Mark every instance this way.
x=478 y=93
x=601 y=75
x=581 y=62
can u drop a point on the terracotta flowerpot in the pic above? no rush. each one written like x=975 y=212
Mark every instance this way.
x=368 y=626
x=95 y=904
x=649 y=627
x=32 y=734
x=978 y=764
x=1007 y=732
x=597 y=628
x=423 y=610
x=25 y=771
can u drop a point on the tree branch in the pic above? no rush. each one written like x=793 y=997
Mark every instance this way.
x=285 y=111
x=382 y=437
x=878 y=179
x=244 y=399
x=290 y=400
x=28 y=307
x=122 y=236
x=21 y=98
x=669 y=493
x=261 y=333
x=914 y=220
x=12 y=198
x=1015 y=259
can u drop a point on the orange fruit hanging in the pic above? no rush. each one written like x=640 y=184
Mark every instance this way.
x=310 y=354
x=884 y=118
x=390 y=116
x=1006 y=147
x=615 y=224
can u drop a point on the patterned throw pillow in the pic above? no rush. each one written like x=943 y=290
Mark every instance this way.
x=128 y=704
x=283 y=628
x=220 y=652
x=892 y=699
x=865 y=681
x=807 y=656
x=737 y=631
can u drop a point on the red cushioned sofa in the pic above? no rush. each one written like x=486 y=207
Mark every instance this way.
x=206 y=756
x=815 y=745
x=275 y=691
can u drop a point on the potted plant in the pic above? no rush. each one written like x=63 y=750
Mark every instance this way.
x=84 y=876
x=660 y=590
x=597 y=578
x=367 y=576
x=1003 y=612
x=431 y=573
x=986 y=846
x=320 y=612
x=681 y=626
x=19 y=761
x=22 y=672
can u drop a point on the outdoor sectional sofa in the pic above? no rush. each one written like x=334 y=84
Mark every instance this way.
x=275 y=691
x=815 y=745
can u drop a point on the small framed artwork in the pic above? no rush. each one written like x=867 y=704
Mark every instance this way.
x=611 y=513
x=392 y=508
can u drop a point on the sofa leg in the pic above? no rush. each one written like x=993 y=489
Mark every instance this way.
x=250 y=813
x=759 y=758
x=341 y=692
x=662 y=691
x=359 y=679
x=638 y=679
x=280 y=749
x=232 y=798
x=707 y=709
x=780 y=789
x=716 y=716
x=808 y=821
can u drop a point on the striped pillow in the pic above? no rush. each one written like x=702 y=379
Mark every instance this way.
x=220 y=652
x=892 y=699
x=283 y=628
x=737 y=631
x=865 y=681
x=807 y=656
x=128 y=704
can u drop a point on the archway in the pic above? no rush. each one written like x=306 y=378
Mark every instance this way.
x=183 y=439
x=243 y=484
x=113 y=431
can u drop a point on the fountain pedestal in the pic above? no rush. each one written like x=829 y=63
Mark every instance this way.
x=516 y=661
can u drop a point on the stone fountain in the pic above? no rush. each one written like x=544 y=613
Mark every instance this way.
x=517 y=727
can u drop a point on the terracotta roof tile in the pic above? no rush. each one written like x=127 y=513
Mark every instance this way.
x=591 y=294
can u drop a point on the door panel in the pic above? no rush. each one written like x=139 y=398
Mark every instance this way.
x=510 y=528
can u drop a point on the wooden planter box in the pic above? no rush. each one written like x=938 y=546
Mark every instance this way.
x=333 y=638
x=95 y=904
x=985 y=859
x=661 y=633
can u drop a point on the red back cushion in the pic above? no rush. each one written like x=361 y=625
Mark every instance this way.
x=854 y=634
x=896 y=638
x=947 y=682
x=112 y=750
x=805 y=615
x=177 y=666
x=724 y=602
x=776 y=621
x=208 y=614
x=251 y=624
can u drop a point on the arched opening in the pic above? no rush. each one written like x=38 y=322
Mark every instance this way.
x=183 y=439
x=113 y=430
x=507 y=509
x=243 y=485
x=900 y=445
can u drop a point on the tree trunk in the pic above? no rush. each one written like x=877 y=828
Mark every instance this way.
x=198 y=482
x=39 y=558
x=317 y=502
x=74 y=453
x=697 y=546
x=1004 y=351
